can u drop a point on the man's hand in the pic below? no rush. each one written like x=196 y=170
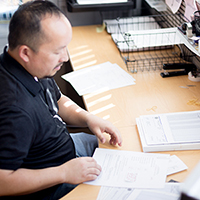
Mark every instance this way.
x=72 y=114
x=79 y=170
x=98 y=126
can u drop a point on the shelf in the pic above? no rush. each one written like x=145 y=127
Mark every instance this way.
x=73 y=6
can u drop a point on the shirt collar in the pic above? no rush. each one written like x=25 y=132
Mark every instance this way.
x=14 y=68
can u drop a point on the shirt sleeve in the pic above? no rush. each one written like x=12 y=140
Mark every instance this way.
x=56 y=89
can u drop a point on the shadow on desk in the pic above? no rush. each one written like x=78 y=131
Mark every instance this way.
x=65 y=87
x=68 y=90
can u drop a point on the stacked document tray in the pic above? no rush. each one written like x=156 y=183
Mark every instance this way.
x=136 y=37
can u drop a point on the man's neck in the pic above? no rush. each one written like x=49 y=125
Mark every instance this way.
x=14 y=54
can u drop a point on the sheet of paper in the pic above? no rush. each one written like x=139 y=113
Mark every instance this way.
x=155 y=37
x=198 y=4
x=113 y=193
x=174 y=5
x=130 y=169
x=121 y=25
x=170 y=191
x=85 y=2
x=175 y=165
x=190 y=8
x=159 y=5
x=139 y=40
x=100 y=77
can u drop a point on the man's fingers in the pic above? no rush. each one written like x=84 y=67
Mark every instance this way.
x=92 y=169
x=115 y=138
x=92 y=165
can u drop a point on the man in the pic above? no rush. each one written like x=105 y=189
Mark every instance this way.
x=38 y=157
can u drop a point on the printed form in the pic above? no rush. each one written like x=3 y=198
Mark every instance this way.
x=170 y=191
x=130 y=169
x=170 y=131
x=181 y=127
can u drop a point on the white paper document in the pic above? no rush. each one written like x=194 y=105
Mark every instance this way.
x=174 y=5
x=102 y=77
x=130 y=169
x=121 y=25
x=190 y=8
x=159 y=5
x=171 y=131
x=171 y=191
x=144 y=39
x=175 y=165
x=85 y=2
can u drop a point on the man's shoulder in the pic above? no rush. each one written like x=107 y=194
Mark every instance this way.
x=13 y=94
x=8 y=84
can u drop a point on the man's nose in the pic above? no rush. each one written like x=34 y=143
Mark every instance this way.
x=64 y=56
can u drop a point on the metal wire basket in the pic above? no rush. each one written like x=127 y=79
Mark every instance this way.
x=148 y=42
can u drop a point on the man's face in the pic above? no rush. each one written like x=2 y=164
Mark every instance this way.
x=53 y=52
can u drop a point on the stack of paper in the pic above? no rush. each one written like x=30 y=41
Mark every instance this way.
x=147 y=39
x=159 y=5
x=103 y=77
x=171 y=191
x=131 y=169
x=123 y=25
x=172 y=131
x=128 y=175
x=140 y=33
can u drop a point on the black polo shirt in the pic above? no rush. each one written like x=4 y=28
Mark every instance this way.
x=32 y=135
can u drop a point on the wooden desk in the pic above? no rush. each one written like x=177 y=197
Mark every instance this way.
x=121 y=106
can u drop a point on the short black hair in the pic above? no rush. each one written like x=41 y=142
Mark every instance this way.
x=25 y=26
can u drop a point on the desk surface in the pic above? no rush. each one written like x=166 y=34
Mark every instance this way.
x=121 y=106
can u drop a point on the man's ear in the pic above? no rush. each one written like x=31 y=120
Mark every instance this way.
x=24 y=53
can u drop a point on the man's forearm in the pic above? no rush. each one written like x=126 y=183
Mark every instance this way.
x=26 y=181
x=71 y=113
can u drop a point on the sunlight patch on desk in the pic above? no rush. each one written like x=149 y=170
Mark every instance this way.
x=86 y=65
x=80 y=53
x=106 y=117
x=79 y=47
x=90 y=95
x=103 y=109
x=84 y=58
x=99 y=100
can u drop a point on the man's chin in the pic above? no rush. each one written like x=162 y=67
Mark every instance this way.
x=56 y=69
x=51 y=76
